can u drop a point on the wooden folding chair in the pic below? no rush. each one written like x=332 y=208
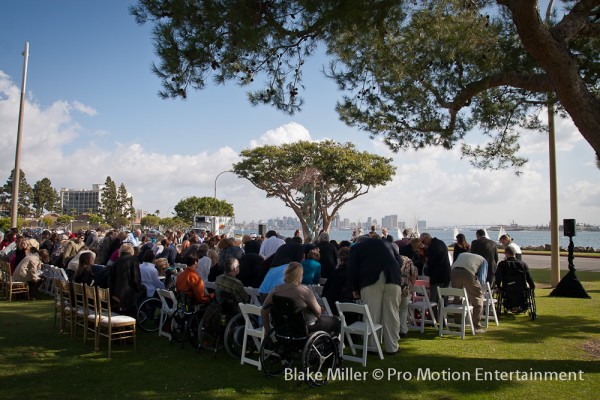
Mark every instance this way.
x=112 y=326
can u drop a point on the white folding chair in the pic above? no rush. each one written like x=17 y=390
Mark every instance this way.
x=424 y=307
x=48 y=285
x=364 y=328
x=253 y=293
x=168 y=307
x=325 y=304
x=489 y=305
x=254 y=332
x=459 y=306
x=317 y=290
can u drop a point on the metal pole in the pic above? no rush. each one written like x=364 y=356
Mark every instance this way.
x=217 y=177
x=554 y=243
x=15 y=199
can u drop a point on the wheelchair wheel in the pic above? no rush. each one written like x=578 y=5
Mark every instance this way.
x=184 y=327
x=319 y=357
x=177 y=327
x=148 y=315
x=275 y=356
x=209 y=334
x=234 y=337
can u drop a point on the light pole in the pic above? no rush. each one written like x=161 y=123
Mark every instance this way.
x=14 y=212
x=554 y=242
x=217 y=177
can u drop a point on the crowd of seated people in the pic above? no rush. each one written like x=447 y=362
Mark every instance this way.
x=372 y=268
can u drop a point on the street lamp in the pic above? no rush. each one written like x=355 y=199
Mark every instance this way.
x=217 y=177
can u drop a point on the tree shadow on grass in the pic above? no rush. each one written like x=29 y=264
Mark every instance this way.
x=40 y=363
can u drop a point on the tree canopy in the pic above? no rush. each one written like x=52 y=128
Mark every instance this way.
x=45 y=197
x=314 y=179
x=25 y=195
x=418 y=73
x=189 y=207
x=116 y=205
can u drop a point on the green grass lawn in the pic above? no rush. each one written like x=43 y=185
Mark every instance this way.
x=37 y=362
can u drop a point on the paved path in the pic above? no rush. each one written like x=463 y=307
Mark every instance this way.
x=543 y=261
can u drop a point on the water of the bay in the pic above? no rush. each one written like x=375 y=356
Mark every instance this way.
x=522 y=238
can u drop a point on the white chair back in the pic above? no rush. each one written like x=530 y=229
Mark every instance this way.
x=251 y=331
x=365 y=328
x=459 y=306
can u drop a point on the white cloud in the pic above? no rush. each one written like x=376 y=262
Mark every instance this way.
x=84 y=109
x=432 y=184
x=288 y=133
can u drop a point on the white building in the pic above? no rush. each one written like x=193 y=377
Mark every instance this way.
x=80 y=200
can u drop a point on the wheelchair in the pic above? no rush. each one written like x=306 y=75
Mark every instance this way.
x=185 y=321
x=515 y=296
x=148 y=314
x=289 y=340
x=214 y=321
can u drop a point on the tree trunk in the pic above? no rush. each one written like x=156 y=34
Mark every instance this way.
x=553 y=57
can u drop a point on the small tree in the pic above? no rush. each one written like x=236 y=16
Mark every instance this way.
x=44 y=196
x=314 y=179
x=150 y=221
x=25 y=194
x=64 y=219
x=187 y=208
x=95 y=219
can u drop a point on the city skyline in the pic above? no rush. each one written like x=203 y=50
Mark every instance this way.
x=91 y=111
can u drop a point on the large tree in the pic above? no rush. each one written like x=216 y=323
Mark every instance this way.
x=189 y=207
x=125 y=202
x=418 y=73
x=109 y=203
x=45 y=197
x=314 y=179
x=25 y=195
x=116 y=204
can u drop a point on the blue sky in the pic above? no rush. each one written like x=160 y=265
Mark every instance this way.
x=92 y=111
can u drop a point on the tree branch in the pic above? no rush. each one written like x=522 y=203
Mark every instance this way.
x=575 y=21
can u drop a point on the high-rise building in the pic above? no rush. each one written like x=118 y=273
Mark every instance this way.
x=422 y=224
x=81 y=201
x=390 y=222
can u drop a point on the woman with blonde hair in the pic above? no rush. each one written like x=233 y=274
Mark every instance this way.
x=304 y=300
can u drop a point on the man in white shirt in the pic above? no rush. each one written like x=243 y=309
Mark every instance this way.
x=467 y=271
x=270 y=245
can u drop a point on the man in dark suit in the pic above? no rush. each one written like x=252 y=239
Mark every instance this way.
x=438 y=263
x=374 y=275
x=487 y=249
x=386 y=236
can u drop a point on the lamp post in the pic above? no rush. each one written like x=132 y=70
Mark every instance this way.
x=554 y=242
x=14 y=212
x=217 y=177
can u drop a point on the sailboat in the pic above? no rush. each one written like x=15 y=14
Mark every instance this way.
x=501 y=232
x=486 y=234
x=455 y=232
x=417 y=233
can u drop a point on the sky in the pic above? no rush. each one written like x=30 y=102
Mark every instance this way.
x=92 y=111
